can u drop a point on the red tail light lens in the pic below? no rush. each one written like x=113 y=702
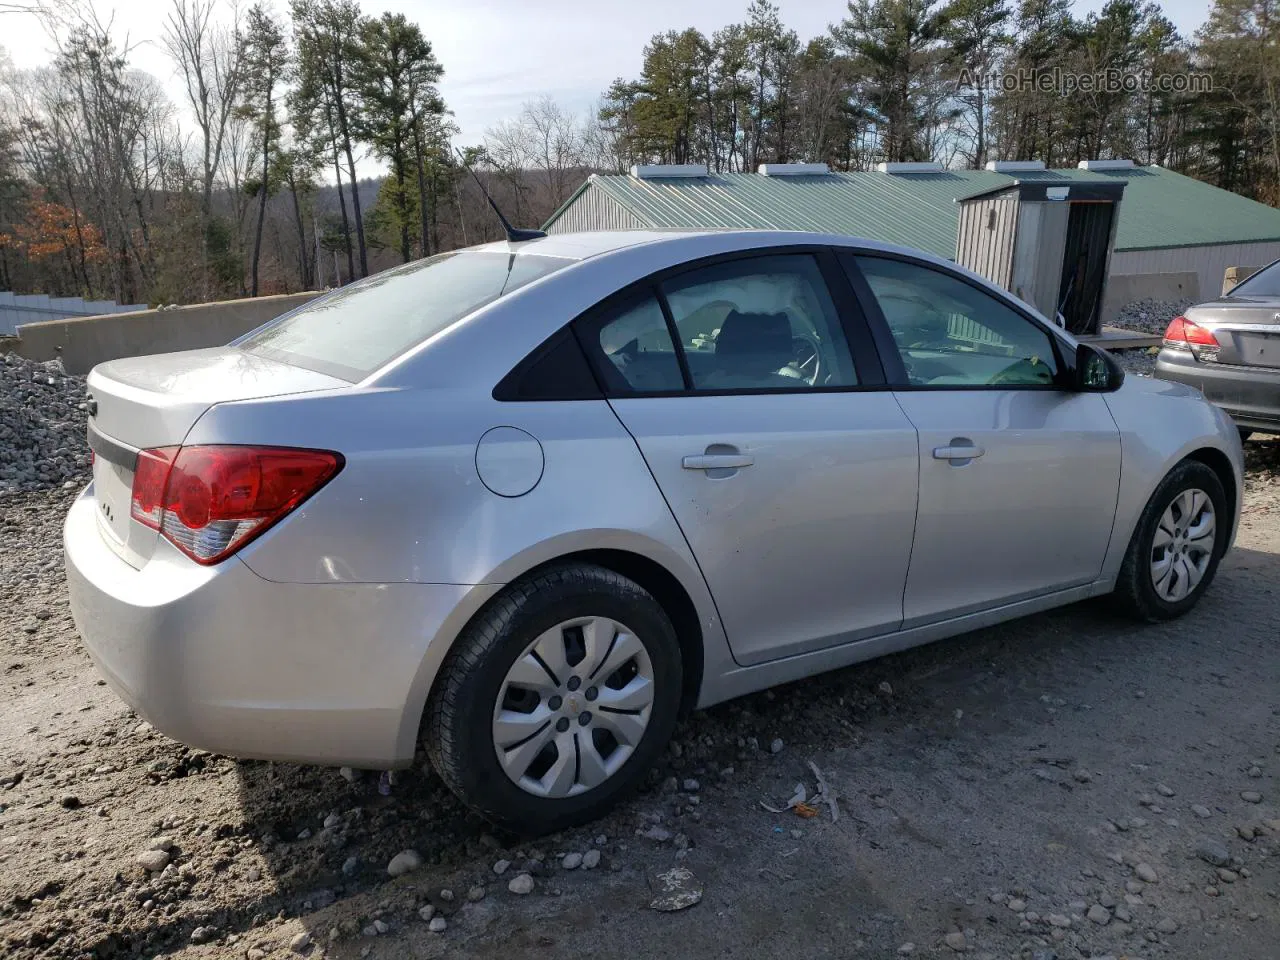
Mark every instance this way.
x=210 y=501
x=1185 y=335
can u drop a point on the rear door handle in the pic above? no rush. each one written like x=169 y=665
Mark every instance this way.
x=958 y=452
x=717 y=461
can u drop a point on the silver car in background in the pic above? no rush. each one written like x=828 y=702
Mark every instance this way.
x=1229 y=349
x=524 y=503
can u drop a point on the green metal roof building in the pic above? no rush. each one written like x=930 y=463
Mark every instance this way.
x=1169 y=223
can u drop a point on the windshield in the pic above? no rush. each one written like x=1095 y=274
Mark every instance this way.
x=1264 y=283
x=354 y=331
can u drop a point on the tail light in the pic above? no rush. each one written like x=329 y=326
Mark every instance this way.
x=210 y=501
x=1185 y=335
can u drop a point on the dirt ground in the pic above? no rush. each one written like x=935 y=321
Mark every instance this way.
x=1066 y=786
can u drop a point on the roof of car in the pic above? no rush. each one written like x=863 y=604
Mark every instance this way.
x=581 y=246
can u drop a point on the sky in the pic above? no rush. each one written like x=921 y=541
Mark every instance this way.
x=498 y=54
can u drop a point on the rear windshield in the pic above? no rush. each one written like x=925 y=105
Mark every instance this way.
x=352 y=332
x=1264 y=283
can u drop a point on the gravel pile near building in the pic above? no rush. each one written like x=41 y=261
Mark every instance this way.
x=42 y=426
x=1138 y=363
x=1151 y=316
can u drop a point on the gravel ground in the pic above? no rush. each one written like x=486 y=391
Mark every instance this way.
x=1066 y=786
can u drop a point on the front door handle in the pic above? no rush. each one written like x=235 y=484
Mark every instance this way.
x=717 y=461
x=959 y=449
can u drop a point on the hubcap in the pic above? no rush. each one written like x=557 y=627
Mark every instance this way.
x=573 y=707
x=1183 y=545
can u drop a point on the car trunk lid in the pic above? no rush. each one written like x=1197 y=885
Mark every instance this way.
x=143 y=402
x=1247 y=328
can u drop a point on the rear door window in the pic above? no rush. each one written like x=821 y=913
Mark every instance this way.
x=354 y=331
x=760 y=323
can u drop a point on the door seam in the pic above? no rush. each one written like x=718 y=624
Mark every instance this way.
x=683 y=536
x=915 y=523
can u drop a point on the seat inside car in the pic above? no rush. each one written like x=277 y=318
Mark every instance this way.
x=751 y=350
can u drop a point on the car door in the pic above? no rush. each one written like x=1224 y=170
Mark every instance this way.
x=1019 y=476
x=790 y=467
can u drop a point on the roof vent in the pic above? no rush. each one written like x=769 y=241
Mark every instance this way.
x=913 y=167
x=1015 y=166
x=664 y=171
x=1105 y=165
x=793 y=169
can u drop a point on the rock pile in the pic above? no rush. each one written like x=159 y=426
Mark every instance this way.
x=42 y=426
x=1151 y=316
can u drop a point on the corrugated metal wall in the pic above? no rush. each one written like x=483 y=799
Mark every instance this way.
x=16 y=309
x=985 y=237
x=595 y=210
x=1210 y=263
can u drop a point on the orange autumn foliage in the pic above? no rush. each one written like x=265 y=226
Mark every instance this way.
x=49 y=230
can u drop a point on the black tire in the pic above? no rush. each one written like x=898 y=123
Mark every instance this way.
x=1245 y=433
x=459 y=738
x=1135 y=594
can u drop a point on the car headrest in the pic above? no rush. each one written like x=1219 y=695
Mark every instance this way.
x=760 y=340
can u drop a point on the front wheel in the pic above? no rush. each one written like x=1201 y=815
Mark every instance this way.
x=1176 y=545
x=556 y=699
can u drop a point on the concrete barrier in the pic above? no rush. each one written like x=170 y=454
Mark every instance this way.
x=83 y=342
x=1233 y=275
x=1125 y=288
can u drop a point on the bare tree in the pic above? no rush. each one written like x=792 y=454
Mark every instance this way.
x=547 y=140
x=208 y=56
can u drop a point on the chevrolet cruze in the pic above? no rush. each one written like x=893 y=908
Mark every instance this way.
x=524 y=503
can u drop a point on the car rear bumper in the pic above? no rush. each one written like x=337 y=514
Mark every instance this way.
x=1251 y=395
x=223 y=660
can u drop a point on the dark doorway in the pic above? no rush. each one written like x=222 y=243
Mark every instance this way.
x=1084 y=266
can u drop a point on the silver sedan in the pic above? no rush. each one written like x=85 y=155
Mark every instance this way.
x=524 y=503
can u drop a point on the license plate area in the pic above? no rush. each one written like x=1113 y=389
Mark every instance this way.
x=113 y=487
x=1259 y=349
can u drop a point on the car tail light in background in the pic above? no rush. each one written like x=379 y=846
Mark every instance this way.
x=209 y=501
x=1185 y=335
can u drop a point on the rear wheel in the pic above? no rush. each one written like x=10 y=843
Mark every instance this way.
x=556 y=699
x=1176 y=546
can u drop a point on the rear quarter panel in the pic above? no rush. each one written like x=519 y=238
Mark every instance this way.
x=409 y=505
x=1162 y=423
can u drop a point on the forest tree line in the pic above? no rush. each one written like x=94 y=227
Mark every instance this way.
x=248 y=183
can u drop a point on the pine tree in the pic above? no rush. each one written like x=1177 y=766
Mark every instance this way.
x=267 y=63
x=395 y=79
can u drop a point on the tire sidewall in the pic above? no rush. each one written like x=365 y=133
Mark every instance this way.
x=482 y=775
x=1187 y=475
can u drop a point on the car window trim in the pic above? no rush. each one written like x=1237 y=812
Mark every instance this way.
x=590 y=321
x=883 y=334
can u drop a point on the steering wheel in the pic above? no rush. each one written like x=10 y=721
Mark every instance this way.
x=807 y=358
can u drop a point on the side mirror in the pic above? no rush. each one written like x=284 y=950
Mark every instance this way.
x=1096 y=371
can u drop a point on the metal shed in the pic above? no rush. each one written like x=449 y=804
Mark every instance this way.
x=1048 y=241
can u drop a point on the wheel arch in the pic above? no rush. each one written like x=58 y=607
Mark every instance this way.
x=653 y=566
x=1220 y=464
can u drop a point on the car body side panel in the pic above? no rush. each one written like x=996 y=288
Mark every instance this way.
x=1161 y=423
x=808 y=545
x=400 y=512
x=743 y=680
x=1032 y=515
